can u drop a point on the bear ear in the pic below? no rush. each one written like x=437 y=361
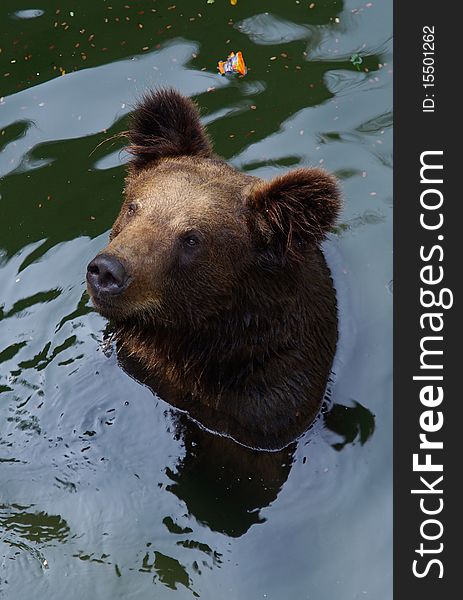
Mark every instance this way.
x=164 y=124
x=295 y=209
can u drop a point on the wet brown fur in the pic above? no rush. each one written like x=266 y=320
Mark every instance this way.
x=240 y=330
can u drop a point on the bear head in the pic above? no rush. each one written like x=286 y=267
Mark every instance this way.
x=195 y=236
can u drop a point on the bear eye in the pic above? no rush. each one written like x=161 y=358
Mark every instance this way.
x=191 y=240
x=131 y=209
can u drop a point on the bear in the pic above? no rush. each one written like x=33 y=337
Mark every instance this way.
x=215 y=283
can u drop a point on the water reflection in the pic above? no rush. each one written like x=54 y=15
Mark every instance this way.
x=20 y=522
x=350 y=423
x=26 y=531
x=226 y=485
x=168 y=570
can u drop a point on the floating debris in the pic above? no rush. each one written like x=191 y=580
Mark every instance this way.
x=356 y=60
x=234 y=64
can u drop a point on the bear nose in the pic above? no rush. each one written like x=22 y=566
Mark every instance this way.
x=107 y=275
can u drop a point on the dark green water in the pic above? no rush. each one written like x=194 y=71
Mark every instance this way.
x=103 y=493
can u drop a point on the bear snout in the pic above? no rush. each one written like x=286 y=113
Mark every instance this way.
x=106 y=276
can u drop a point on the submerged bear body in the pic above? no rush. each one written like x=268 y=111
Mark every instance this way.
x=215 y=281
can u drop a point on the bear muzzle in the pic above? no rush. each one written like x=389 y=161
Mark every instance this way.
x=106 y=277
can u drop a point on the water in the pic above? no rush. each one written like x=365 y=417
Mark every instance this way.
x=104 y=491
